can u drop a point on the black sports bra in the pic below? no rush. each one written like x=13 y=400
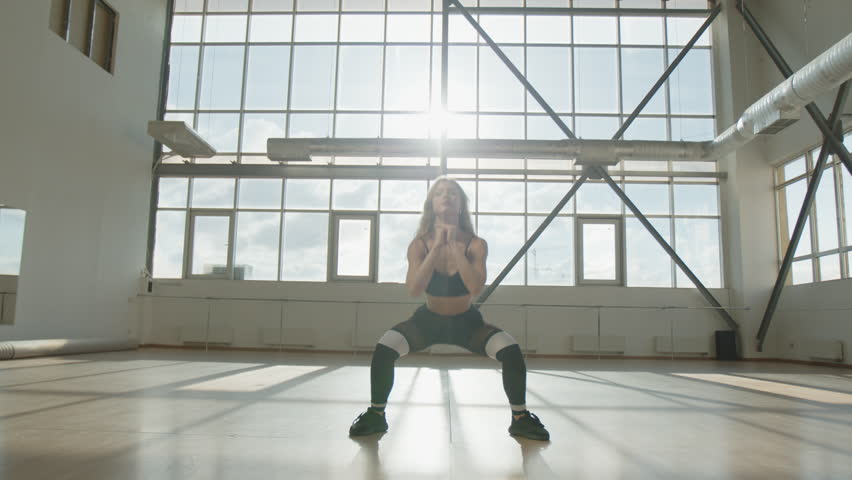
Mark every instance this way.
x=443 y=285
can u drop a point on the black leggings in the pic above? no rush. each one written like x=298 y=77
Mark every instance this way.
x=466 y=330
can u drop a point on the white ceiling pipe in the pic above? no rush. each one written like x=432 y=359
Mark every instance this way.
x=824 y=74
x=585 y=151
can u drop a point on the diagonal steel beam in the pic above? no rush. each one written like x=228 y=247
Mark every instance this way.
x=810 y=195
x=824 y=126
x=520 y=76
x=508 y=268
x=665 y=76
x=660 y=240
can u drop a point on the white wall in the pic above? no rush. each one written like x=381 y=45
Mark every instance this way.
x=76 y=157
x=343 y=316
x=806 y=311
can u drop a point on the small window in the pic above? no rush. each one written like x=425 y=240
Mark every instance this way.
x=88 y=25
x=600 y=260
x=210 y=246
x=354 y=257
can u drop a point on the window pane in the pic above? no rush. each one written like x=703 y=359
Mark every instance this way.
x=210 y=245
x=505 y=236
x=220 y=130
x=189 y=5
x=409 y=5
x=362 y=28
x=461 y=92
x=544 y=128
x=266 y=82
x=407 y=78
x=651 y=199
x=640 y=69
x=260 y=193
x=357 y=126
x=256 y=255
x=647 y=129
x=829 y=267
x=355 y=194
x=548 y=29
x=549 y=71
x=642 y=30
x=793 y=169
x=259 y=127
x=395 y=235
x=353 y=247
x=847 y=203
x=601 y=128
x=227 y=5
x=597 y=81
x=221 y=78
x=317 y=5
x=183 y=74
x=803 y=272
x=360 y=84
x=172 y=192
x=696 y=200
x=403 y=195
x=697 y=243
x=271 y=28
x=409 y=28
x=272 y=5
x=316 y=28
x=501 y=126
x=499 y=90
x=186 y=28
x=691 y=84
x=225 y=28
x=693 y=129
x=305 y=252
x=503 y=28
x=313 y=77
x=681 y=29
x=310 y=125
x=168 y=244
x=307 y=194
x=792 y=197
x=597 y=198
x=212 y=193
x=406 y=126
x=594 y=30
x=542 y=197
x=469 y=188
x=550 y=260
x=363 y=5
x=825 y=207
x=11 y=240
x=501 y=197
x=648 y=265
x=599 y=245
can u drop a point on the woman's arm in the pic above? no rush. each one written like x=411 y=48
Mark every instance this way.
x=420 y=266
x=471 y=266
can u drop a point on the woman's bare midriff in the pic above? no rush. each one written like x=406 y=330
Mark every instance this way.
x=448 y=305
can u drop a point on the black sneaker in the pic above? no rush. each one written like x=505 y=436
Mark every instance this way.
x=528 y=426
x=368 y=423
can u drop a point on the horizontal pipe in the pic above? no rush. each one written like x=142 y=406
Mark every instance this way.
x=63 y=346
x=823 y=74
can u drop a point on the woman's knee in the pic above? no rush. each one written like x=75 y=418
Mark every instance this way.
x=497 y=343
x=395 y=341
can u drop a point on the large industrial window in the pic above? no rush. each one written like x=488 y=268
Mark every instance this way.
x=823 y=250
x=88 y=25
x=243 y=71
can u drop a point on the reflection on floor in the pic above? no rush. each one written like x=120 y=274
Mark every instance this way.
x=178 y=414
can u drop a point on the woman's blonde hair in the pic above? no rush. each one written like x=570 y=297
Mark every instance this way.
x=427 y=221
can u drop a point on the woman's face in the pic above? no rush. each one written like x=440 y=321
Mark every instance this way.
x=446 y=198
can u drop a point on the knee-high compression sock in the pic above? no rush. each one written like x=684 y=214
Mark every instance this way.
x=514 y=374
x=381 y=374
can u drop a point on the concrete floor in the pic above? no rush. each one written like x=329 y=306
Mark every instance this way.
x=179 y=414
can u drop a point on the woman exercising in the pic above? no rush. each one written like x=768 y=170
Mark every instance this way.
x=446 y=260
